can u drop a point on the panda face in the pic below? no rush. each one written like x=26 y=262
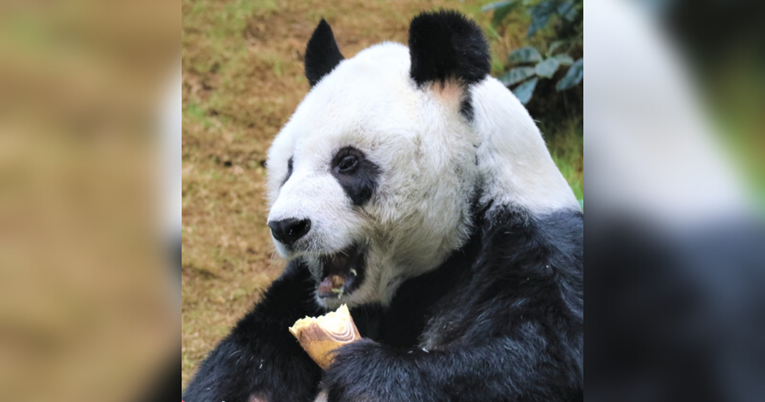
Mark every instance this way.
x=371 y=181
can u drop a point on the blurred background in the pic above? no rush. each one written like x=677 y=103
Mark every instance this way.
x=674 y=235
x=89 y=111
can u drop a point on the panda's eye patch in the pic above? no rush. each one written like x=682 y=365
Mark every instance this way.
x=356 y=174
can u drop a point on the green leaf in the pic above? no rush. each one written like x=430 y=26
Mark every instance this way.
x=547 y=68
x=516 y=75
x=564 y=59
x=495 y=5
x=573 y=76
x=567 y=10
x=554 y=46
x=524 y=91
x=540 y=15
x=526 y=54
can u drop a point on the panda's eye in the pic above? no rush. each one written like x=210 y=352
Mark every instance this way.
x=347 y=164
x=349 y=161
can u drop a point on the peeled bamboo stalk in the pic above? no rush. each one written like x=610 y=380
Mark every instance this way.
x=319 y=336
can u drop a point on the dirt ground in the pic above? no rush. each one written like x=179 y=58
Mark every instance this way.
x=242 y=79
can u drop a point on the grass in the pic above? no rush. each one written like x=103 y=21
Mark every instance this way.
x=242 y=79
x=566 y=145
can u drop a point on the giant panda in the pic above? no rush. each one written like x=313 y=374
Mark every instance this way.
x=425 y=183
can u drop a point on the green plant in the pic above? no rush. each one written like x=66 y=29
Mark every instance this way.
x=563 y=40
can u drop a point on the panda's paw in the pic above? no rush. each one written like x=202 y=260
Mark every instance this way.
x=368 y=371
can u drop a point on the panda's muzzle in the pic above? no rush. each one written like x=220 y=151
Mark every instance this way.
x=342 y=272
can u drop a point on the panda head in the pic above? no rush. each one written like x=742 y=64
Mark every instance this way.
x=372 y=180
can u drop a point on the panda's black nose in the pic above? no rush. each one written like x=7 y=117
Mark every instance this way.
x=289 y=231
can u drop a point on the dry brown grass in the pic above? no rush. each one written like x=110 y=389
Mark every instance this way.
x=242 y=79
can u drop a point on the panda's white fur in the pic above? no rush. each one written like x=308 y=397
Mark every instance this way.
x=432 y=160
x=515 y=165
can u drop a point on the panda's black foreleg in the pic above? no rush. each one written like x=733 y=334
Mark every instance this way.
x=498 y=369
x=260 y=360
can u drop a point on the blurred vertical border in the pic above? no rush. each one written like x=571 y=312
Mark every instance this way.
x=674 y=236
x=89 y=200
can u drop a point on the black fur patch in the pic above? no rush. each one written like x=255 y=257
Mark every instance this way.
x=444 y=45
x=466 y=108
x=360 y=180
x=321 y=53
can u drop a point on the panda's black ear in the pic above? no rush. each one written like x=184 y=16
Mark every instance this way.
x=321 y=53
x=445 y=45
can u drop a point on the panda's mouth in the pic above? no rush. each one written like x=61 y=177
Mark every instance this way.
x=342 y=272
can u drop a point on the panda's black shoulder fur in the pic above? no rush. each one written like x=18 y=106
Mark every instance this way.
x=501 y=319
